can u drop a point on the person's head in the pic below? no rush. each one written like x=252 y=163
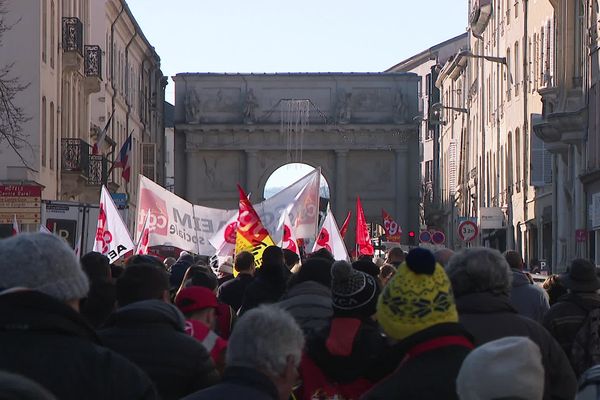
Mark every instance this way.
x=291 y=258
x=367 y=266
x=418 y=281
x=315 y=270
x=353 y=293
x=479 y=270
x=244 y=262
x=18 y=387
x=169 y=261
x=142 y=282
x=143 y=259
x=44 y=263
x=198 y=303
x=273 y=257
x=204 y=278
x=225 y=268
x=321 y=253
x=581 y=277
x=507 y=368
x=395 y=256
x=96 y=266
x=514 y=259
x=269 y=340
x=554 y=288
x=385 y=273
x=442 y=256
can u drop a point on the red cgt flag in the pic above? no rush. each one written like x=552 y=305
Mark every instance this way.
x=363 y=239
x=345 y=225
x=392 y=229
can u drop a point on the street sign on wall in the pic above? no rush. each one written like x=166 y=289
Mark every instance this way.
x=468 y=230
x=491 y=218
x=22 y=202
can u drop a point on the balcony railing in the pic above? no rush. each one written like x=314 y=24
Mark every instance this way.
x=72 y=35
x=93 y=61
x=98 y=170
x=75 y=155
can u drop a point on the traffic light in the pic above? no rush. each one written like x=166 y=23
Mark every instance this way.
x=411 y=238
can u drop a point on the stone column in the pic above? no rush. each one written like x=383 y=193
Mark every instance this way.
x=401 y=184
x=251 y=173
x=341 y=185
x=180 y=163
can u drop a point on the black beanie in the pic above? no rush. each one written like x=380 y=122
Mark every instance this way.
x=354 y=293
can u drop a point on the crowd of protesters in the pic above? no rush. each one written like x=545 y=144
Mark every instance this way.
x=418 y=325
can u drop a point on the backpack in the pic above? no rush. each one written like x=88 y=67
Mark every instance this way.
x=585 y=351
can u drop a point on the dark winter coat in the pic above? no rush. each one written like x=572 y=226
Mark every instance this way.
x=239 y=383
x=267 y=287
x=232 y=292
x=310 y=304
x=50 y=343
x=151 y=334
x=429 y=370
x=566 y=316
x=179 y=269
x=489 y=317
x=529 y=299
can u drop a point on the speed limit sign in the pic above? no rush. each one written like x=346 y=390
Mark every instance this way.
x=467 y=230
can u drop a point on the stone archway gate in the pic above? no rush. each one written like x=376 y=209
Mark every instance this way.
x=360 y=129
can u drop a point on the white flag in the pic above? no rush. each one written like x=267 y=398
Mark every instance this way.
x=112 y=237
x=43 y=229
x=289 y=240
x=329 y=238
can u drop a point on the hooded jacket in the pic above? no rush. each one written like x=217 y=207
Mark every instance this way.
x=488 y=317
x=179 y=268
x=267 y=287
x=529 y=299
x=151 y=334
x=309 y=302
x=50 y=343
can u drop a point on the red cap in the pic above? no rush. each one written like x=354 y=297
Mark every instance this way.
x=195 y=298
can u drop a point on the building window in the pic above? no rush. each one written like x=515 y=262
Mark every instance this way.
x=429 y=171
x=518 y=159
x=516 y=9
x=52 y=33
x=517 y=76
x=44 y=29
x=579 y=45
x=43 y=138
x=508 y=75
x=52 y=139
x=508 y=12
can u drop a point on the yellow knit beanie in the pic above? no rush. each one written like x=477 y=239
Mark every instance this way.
x=417 y=297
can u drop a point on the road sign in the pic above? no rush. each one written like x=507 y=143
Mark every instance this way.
x=438 y=237
x=425 y=237
x=467 y=230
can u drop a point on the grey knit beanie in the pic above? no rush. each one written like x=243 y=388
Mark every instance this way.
x=44 y=263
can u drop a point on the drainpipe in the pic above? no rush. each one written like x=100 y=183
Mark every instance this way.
x=526 y=74
x=112 y=72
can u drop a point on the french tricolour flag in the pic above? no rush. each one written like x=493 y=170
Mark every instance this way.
x=124 y=160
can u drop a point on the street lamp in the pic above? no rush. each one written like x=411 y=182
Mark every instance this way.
x=469 y=54
x=438 y=106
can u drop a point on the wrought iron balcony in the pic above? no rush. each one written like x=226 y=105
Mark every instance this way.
x=72 y=35
x=75 y=155
x=93 y=61
x=97 y=171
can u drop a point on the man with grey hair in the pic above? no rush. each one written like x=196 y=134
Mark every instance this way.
x=529 y=299
x=263 y=355
x=442 y=256
x=481 y=280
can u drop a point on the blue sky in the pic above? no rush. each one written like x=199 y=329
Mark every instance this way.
x=293 y=36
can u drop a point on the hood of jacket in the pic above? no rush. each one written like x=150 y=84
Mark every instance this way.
x=148 y=312
x=519 y=279
x=311 y=288
x=32 y=311
x=483 y=303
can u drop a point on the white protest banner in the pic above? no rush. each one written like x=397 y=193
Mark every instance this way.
x=112 y=237
x=289 y=240
x=300 y=199
x=176 y=222
x=329 y=238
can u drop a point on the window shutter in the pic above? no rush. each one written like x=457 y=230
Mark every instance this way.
x=149 y=160
x=452 y=167
x=541 y=163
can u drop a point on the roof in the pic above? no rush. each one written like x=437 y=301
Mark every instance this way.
x=429 y=54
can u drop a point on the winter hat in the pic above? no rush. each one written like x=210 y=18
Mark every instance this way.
x=418 y=296
x=510 y=367
x=354 y=293
x=226 y=266
x=366 y=266
x=195 y=298
x=42 y=262
x=315 y=269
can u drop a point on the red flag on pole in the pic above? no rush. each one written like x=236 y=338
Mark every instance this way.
x=345 y=225
x=392 y=229
x=363 y=239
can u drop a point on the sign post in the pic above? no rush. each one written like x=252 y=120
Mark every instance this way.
x=467 y=230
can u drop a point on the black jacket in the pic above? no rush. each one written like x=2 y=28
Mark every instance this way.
x=50 y=343
x=427 y=375
x=232 y=292
x=151 y=334
x=239 y=383
x=178 y=270
x=489 y=317
x=267 y=287
x=309 y=302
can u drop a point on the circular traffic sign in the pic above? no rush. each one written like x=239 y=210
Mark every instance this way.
x=438 y=237
x=467 y=230
x=425 y=237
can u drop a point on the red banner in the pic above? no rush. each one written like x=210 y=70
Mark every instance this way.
x=363 y=239
x=393 y=231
